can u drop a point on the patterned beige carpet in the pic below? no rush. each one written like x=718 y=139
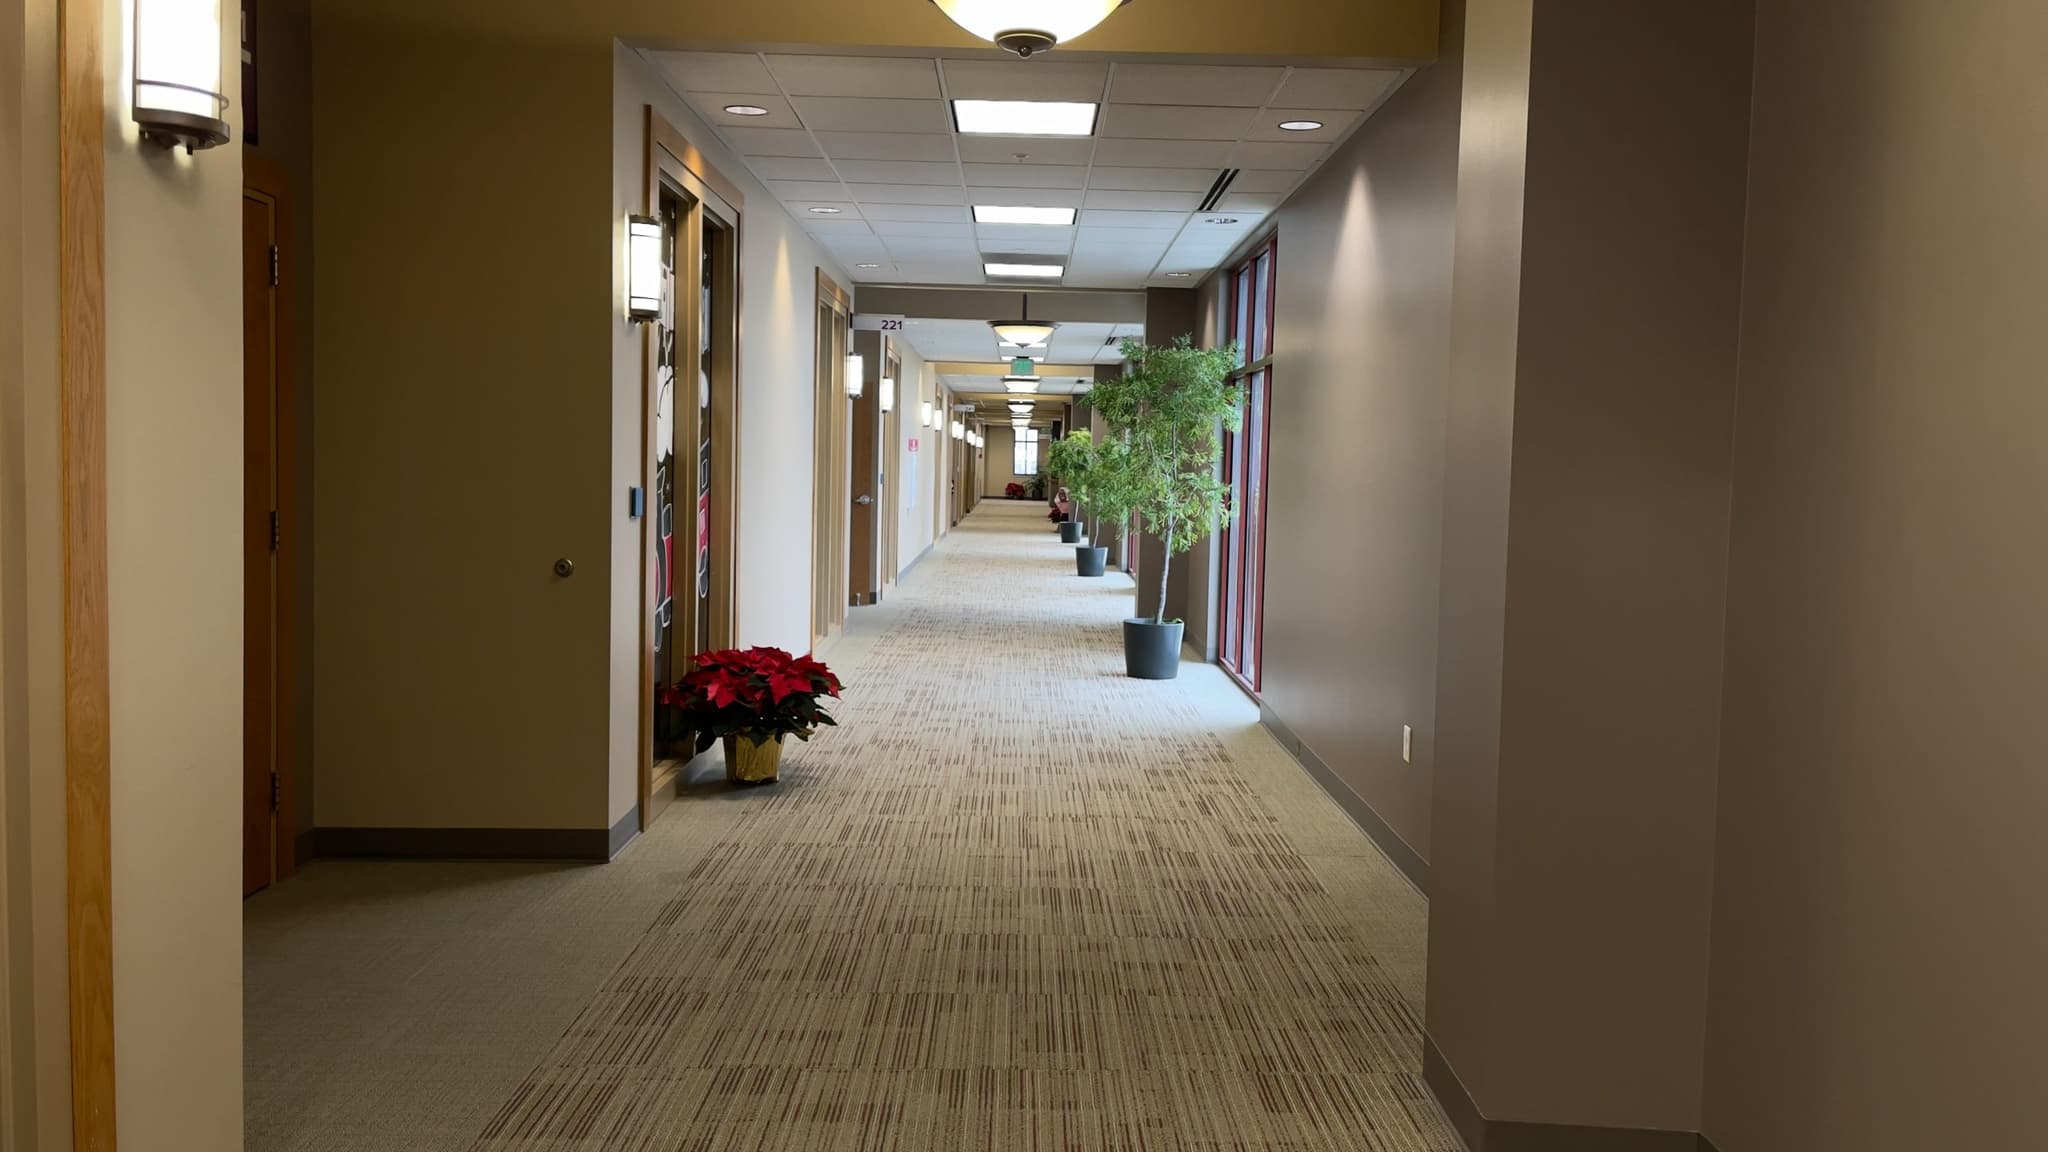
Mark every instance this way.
x=1017 y=902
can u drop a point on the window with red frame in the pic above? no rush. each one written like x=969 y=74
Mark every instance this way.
x=1241 y=606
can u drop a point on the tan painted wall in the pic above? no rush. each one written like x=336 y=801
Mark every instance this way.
x=918 y=472
x=35 y=1099
x=1355 y=478
x=1002 y=459
x=1568 y=978
x=1878 y=948
x=174 y=512
x=465 y=305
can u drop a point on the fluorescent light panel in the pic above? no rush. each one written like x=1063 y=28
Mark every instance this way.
x=1024 y=117
x=1025 y=271
x=1022 y=214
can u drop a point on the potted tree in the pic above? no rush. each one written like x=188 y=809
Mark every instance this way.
x=752 y=699
x=1168 y=410
x=1103 y=494
x=1071 y=458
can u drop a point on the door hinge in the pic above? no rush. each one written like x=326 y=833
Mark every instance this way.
x=276 y=530
x=274 y=794
x=276 y=267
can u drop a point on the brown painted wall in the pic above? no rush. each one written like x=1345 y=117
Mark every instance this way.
x=1878 y=947
x=1584 y=999
x=1355 y=497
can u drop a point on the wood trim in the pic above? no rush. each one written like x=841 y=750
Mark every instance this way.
x=829 y=292
x=82 y=407
x=261 y=174
x=663 y=134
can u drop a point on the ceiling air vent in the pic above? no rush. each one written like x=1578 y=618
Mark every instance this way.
x=1216 y=190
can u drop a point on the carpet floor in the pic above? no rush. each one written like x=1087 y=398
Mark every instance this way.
x=1017 y=902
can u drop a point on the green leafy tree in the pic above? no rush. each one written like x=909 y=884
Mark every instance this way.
x=1070 y=460
x=1168 y=410
x=1098 y=476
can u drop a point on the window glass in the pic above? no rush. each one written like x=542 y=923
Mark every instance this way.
x=1024 y=457
x=1262 y=298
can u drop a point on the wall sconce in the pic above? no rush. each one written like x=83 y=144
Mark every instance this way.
x=643 y=268
x=888 y=396
x=177 y=93
x=958 y=430
x=927 y=413
x=856 y=379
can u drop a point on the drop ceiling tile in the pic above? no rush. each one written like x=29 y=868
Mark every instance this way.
x=1268 y=154
x=898 y=172
x=1103 y=218
x=928 y=213
x=1336 y=122
x=1151 y=179
x=711 y=106
x=1162 y=153
x=714 y=71
x=1026 y=175
x=907 y=194
x=1267 y=180
x=770 y=141
x=1160 y=201
x=826 y=191
x=935 y=229
x=1046 y=247
x=836 y=226
x=791 y=168
x=1024 y=80
x=1193 y=84
x=1032 y=149
x=1026 y=197
x=1249 y=201
x=887 y=146
x=1356 y=88
x=933 y=247
x=996 y=235
x=801 y=209
x=878 y=76
x=871 y=114
x=1176 y=122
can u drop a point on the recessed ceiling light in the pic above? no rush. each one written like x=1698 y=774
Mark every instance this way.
x=1300 y=125
x=867 y=265
x=746 y=109
x=1210 y=220
x=1022 y=214
x=831 y=211
x=1178 y=275
x=1024 y=117
x=1027 y=271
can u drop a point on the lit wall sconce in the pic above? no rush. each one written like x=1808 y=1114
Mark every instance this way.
x=643 y=268
x=959 y=430
x=927 y=413
x=888 y=396
x=856 y=380
x=177 y=94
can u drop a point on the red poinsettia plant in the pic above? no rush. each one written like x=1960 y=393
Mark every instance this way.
x=760 y=693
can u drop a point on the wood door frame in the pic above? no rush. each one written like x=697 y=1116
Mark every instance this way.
x=671 y=159
x=829 y=488
x=893 y=491
x=82 y=421
x=264 y=177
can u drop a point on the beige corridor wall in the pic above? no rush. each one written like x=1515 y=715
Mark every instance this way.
x=1878 y=948
x=779 y=268
x=1002 y=459
x=1355 y=480
x=465 y=306
x=917 y=472
x=174 y=568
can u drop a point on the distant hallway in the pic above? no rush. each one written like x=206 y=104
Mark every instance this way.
x=1015 y=902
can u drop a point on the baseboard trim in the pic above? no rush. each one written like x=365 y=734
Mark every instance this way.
x=1483 y=1135
x=590 y=845
x=1383 y=836
x=623 y=833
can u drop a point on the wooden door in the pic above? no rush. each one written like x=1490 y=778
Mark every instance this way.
x=260 y=532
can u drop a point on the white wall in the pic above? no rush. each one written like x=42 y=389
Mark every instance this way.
x=174 y=566
x=917 y=486
x=778 y=272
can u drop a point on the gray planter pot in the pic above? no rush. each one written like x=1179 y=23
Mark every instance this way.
x=1090 y=561
x=1152 y=651
x=1070 y=532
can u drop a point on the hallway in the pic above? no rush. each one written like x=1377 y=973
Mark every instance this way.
x=1017 y=901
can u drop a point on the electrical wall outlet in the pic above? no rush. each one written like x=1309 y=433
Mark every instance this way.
x=1407 y=744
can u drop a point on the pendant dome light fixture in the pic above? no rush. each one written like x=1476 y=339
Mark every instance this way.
x=1028 y=27
x=1024 y=331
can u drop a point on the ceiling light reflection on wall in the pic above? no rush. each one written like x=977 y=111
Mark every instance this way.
x=1024 y=117
x=643 y=268
x=177 y=91
x=1022 y=214
x=1028 y=27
